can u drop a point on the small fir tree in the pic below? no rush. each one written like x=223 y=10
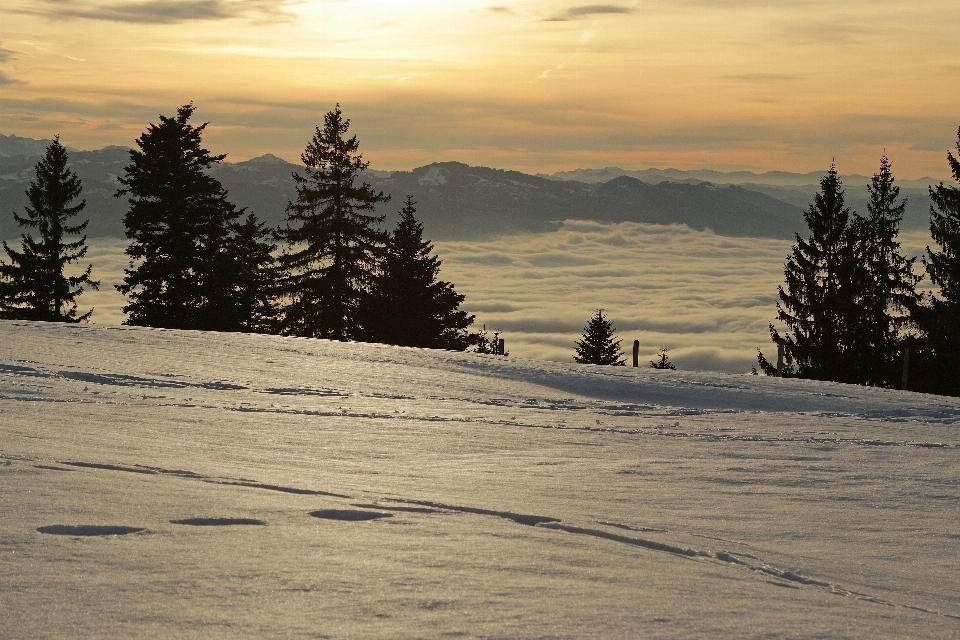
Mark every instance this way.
x=485 y=343
x=663 y=361
x=33 y=285
x=182 y=272
x=598 y=345
x=332 y=237
x=408 y=306
x=819 y=297
x=938 y=317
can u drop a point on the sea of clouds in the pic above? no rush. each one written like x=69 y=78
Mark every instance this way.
x=708 y=299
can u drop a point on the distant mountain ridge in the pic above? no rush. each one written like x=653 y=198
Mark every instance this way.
x=457 y=201
x=14 y=145
x=768 y=178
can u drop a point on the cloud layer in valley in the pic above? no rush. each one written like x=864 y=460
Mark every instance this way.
x=707 y=298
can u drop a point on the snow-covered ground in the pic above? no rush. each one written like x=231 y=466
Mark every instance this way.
x=283 y=487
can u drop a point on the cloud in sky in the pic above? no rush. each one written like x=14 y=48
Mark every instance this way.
x=5 y=55
x=159 y=11
x=593 y=9
x=587 y=10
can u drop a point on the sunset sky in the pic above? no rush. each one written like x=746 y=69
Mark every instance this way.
x=534 y=86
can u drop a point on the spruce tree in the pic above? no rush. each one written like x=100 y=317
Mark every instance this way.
x=598 y=346
x=662 y=361
x=332 y=238
x=33 y=286
x=938 y=318
x=885 y=283
x=818 y=301
x=408 y=306
x=181 y=272
x=256 y=304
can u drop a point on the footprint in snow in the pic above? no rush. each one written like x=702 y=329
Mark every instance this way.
x=217 y=522
x=88 y=530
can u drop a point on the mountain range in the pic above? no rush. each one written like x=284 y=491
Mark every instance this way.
x=459 y=202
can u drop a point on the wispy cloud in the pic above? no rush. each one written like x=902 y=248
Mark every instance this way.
x=586 y=10
x=5 y=55
x=763 y=78
x=500 y=8
x=813 y=32
x=161 y=11
x=5 y=80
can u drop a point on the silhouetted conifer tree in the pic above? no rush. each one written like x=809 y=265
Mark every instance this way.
x=182 y=272
x=257 y=275
x=662 y=361
x=331 y=242
x=408 y=306
x=937 y=369
x=33 y=286
x=885 y=284
x=818 y=302
x=598 y=346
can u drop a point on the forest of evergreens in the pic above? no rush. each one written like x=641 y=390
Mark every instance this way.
x=198 y=262
x=849 y=304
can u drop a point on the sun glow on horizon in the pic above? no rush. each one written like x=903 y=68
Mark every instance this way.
x=535 y=86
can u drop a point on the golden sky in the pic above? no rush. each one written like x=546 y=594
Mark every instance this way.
x=534 y=86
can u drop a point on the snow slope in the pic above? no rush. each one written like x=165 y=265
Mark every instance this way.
x=283 y=487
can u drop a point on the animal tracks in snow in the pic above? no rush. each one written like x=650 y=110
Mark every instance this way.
x=412 y=508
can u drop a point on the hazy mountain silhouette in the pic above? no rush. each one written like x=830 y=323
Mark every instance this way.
x=793 y=188
x=457 y=201
x=769 y=178
x=16 y=146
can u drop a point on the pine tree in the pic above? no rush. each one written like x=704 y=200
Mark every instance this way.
x=818 y=302
x=257 y=274
x=408 y=306
x=938 y=318
x=885 y=283
x=33 y=286
x=181 y=271
x=332 y=242
x=598 y=345
x=662 y=361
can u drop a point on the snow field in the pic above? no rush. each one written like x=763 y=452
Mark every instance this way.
x=524 y=498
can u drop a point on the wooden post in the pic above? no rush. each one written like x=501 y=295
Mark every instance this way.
x=906 y=368
x=500 y=347
x=636 y=353
x=779 y=359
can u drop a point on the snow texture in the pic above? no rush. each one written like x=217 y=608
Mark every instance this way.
x=158 y=483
